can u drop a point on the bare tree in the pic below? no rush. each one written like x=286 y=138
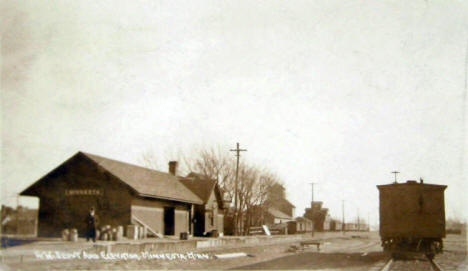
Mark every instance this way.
x=258 y=188
x=264 y=191
x=247 y=178
x=214 y=164
x=148 y=159
x=151 y=160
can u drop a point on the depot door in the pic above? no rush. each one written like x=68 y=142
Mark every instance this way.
x=169 y=220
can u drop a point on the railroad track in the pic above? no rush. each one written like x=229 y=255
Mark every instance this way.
x=435 y=266
x=399 y=265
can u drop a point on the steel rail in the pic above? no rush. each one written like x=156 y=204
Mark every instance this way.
x=435 y=266
x=388 y=265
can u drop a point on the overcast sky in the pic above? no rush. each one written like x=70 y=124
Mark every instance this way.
x=339 y=93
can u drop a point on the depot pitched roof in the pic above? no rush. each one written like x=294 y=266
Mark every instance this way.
x=200 y=185
x=144 y=181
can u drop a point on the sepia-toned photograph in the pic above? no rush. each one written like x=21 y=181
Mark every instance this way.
x=234 y=135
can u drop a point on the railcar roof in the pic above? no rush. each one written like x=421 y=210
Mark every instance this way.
x=411 y=183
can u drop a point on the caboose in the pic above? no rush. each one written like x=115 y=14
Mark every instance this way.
x=412 y=217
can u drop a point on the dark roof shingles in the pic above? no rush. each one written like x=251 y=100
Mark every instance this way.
x=147 y=182
x=200 y=185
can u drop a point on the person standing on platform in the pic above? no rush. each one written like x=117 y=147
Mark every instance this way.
x=92 y=221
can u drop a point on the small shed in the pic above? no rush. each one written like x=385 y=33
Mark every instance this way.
x=303 y=225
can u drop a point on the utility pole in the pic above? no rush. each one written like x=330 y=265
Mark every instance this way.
x=312 y=184
x=237 y=150
x=358 y=224
x=395 y=172
x=343 y=220
x=312 y=209
x=17 y=213
x=368 y=221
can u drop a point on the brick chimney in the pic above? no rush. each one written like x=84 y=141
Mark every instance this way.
x=173 y=167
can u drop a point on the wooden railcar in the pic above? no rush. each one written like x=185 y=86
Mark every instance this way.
x=412 y=217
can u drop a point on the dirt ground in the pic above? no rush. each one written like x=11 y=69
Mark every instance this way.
x=348 y=252
x=256 y=254
x=259 y=253
x=454 y=256
x=352 y=255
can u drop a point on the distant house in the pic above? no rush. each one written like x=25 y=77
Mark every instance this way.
x=318 y=215
x=327 y=223
x=278 y=221
x=303 y=225
x=123 y=194
x=336 y=225
x=352 y=226
x=275 y=216
x=275 y=212
x=275 y=219
x=455 y=227
x=285 y=207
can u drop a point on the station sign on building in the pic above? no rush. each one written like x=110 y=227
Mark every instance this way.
x=124 y=194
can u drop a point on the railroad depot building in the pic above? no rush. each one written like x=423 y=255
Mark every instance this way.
x=124 y=194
